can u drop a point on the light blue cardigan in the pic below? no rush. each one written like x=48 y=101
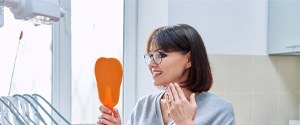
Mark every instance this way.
x=211 y=110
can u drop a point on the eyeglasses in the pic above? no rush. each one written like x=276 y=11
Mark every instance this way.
x=156 y=57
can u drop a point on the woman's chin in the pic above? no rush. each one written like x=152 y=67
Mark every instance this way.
x=160 y=87
x=158 y=84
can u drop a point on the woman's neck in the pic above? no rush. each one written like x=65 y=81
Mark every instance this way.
x=187 y=92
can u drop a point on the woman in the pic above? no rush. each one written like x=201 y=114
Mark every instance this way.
x=177 y=59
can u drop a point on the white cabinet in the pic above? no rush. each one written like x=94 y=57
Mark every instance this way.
x=284 y=27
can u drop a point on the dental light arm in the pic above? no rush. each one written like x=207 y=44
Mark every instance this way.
x=36 y=11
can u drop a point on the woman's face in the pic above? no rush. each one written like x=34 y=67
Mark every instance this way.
x=174 y=67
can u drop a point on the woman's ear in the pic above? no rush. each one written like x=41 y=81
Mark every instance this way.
x=188 y=65
x=189 y=61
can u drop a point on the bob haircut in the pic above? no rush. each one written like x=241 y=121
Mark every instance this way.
x=184 y=38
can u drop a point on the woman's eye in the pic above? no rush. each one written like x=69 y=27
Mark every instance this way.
x=162 y=55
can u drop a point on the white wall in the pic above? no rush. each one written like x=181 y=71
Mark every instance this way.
x=236 y=27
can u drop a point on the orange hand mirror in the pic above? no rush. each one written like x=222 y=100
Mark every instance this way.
x=108 y=72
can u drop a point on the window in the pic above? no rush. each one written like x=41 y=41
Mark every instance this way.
x=33 y=64
x=97 y=31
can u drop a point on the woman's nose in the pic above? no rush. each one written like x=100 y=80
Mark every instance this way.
x=152 y=63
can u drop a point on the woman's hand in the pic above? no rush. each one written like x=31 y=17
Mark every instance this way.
x=109 y=117
x=182 y=110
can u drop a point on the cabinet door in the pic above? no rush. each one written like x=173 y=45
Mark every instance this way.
x=284 y=27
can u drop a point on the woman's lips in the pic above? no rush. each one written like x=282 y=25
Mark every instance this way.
x=155 y=73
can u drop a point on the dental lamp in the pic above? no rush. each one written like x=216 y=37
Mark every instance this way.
x=1 y=17
x=36 y=11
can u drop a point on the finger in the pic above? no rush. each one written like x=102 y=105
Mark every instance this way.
x=105 y=122
x=168 y=103
x=174 y=92
x=167 y=99
x=192 y=99
x=170 y=98
x=108 y=118
x=116 y=113
x=170 y=95
x=104 y=109
x=98 y=122
x=180 y=92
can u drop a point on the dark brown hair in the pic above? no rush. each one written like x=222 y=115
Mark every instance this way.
x=184 y=38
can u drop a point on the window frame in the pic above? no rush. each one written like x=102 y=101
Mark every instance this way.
x=129 y=57
x=61 y=64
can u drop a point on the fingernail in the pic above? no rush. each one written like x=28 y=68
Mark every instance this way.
x=108 y=111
